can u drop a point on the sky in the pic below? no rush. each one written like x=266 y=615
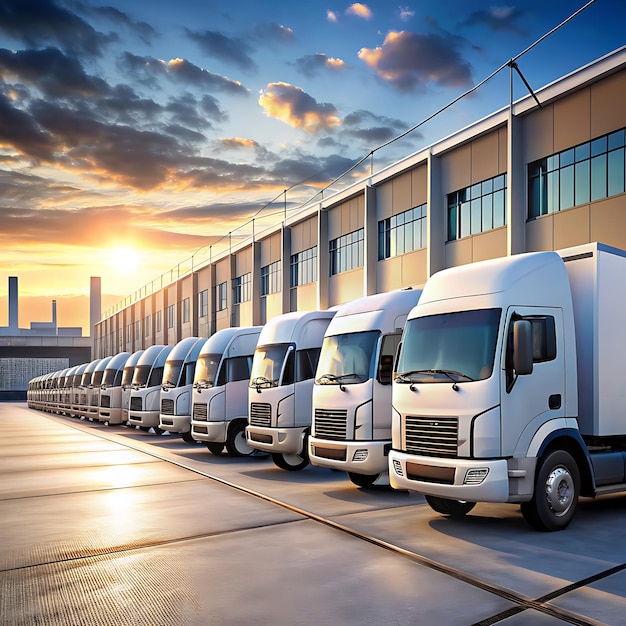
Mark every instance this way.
x=135 y=135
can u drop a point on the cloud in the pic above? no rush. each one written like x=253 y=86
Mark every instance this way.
x=295 y=107
x=360 y=10
x=147 y=69
x=332 y=16
x=231 y=50
x=143 y=30
x=497 y=18
x=406 y=14
x=273 y=32
x=311 y=64
x=409 y=61
x=370 y=129
x=51 y=71
x=41 y=22
x=20 y=132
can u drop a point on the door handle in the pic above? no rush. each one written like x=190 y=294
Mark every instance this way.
x=554 y=401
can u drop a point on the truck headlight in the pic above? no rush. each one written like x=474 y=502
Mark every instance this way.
x=360 y=455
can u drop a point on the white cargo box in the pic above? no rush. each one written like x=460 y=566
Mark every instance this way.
x=597 y=276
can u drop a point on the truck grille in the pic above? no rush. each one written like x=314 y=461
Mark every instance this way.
x=105 y=401
x=330 y=424
x=200 y=412
x=432 y=436
x=167 y=406
x=136 y=403
x=94 y=401
x=260 y=414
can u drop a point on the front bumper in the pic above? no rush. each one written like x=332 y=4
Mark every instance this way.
x=209 y=431
x=361 y=457
x=143 y=418
x=482 y=480
x=276 y=440
x=175 y=423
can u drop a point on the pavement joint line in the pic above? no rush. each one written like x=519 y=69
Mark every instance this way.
x=522 y=601
x=149 y=545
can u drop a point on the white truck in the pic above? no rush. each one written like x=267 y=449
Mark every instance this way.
x=76 y=391
x=93 y=391
x=281 y=386
x=351 y=428
x=177 y=387
x=127 y=385
x=509 y=386
x=220 y=398
x=110 y=410
x=81 y=408
x=143 y=406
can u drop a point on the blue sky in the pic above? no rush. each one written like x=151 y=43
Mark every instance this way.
x=159 y=127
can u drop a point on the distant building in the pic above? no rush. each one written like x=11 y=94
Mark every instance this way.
x=42 y=348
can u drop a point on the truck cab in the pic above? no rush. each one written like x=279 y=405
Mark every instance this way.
x=75 y=395
x=110 y=409
x=351 y=428
x=508 y=385
x=143 y=406
x=220 y=396
x=177 y=386
x=93 y=392
x=127 y=384
x=281 y=386
x=81 y=408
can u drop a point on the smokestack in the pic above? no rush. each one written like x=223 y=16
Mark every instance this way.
x=54 y=314
x=95 y=304
x=13 y=301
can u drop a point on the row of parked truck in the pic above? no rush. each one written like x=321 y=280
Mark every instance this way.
x=499 y=382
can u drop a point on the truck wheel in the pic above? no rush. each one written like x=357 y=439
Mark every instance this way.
x=453 y=508
x=557 y=486
x=215 y=447
x=236 y=442
x=291 y=462
x=363 y=480
x=187 y=438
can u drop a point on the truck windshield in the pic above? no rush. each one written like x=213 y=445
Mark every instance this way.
x=96 y=379
x=127 y=376
x=346 y=359
x=140 y=377
x=267 y=365
x=109 y=377
x=171 y=373
x=456 y=346
x=206 y=370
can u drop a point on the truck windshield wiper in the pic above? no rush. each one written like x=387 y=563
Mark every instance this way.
x=168 y=385
x=204 y=383
x=454 y=376
x=325 y=379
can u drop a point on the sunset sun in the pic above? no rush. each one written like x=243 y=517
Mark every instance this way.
x=124 y=259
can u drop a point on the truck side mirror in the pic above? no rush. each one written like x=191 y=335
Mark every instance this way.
x=523 y=347
x=385 y=369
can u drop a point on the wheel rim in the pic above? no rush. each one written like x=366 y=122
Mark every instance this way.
x=293 y=459
x=241 y=444
x=560 y=491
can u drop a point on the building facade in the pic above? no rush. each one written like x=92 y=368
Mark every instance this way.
x=526 y=178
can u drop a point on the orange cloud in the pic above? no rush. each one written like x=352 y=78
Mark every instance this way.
x=360 y=10
x=292 y=105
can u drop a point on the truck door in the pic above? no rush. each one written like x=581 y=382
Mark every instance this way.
x=531 y=400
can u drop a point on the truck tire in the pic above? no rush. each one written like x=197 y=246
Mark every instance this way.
x=291 y=462
x=187 y=437
x=363 y=480
x=236 y=442
x=215 y=447
x=557 y=486
x=453 y=508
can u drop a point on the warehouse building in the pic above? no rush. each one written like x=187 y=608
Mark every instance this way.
x=546 y=172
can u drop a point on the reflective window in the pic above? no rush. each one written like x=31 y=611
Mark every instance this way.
x=270 y=278
x=402 y=233
x=478 y=208
x=347 y=252
x=242 y=288
x=303 y=268
x=590 y=171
